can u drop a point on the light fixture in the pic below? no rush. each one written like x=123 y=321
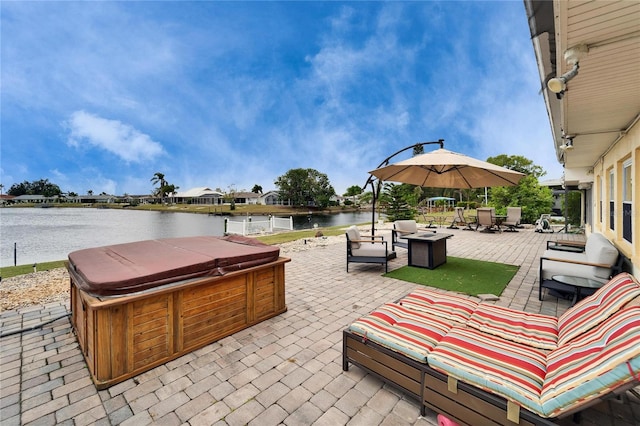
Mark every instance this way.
x=573 y=55
x=559 y=84
x=568 y=144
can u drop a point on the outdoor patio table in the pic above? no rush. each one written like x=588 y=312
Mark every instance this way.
x=427 y=250
x=499 y=219
x=573 y=284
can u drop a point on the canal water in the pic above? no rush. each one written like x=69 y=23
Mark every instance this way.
x=37 y=235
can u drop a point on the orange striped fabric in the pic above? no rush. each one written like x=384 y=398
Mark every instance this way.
x=596 y=308
x=403 y=330
x=537 y=330
x=509 y=369
x=598 y=361
x=449 y=306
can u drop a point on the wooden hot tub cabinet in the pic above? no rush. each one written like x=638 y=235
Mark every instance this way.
x=125 y=336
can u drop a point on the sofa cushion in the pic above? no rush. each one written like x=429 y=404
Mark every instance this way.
x=445 y=305
x=596 y=362
x=564 y=266
x=354 y=236
x=595 y=309
x=509 y=369
x=537 y=330
x=600 y=250
x=402 y=330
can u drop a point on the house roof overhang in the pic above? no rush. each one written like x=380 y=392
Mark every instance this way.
x=602 y=102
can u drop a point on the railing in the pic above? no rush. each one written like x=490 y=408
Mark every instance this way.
x=249 y=227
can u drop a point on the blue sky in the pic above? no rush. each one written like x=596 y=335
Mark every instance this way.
x=101 y=95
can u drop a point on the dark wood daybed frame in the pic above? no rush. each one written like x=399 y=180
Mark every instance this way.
x=470 y=405
x=462 y=402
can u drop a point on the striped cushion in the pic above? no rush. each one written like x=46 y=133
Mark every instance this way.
x=445 y=305
x=593 y=364
x=540 y=331
x=509 y=369
x=596 y=308
x=403 y=330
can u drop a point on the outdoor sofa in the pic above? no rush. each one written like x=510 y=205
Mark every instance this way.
x=597 y=259
x=482 y=364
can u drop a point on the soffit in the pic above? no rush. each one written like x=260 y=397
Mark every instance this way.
x=603 y=100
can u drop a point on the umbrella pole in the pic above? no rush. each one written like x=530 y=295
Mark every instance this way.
x=385 y=162
x=373 y=210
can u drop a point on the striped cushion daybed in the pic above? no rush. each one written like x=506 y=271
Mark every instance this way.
x=480 y=356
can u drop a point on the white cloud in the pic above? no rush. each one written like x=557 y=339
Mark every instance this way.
x=113 y=136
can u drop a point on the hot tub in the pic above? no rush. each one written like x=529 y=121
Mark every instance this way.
x=138 y=305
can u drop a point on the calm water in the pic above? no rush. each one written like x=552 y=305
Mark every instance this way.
x=43 y=235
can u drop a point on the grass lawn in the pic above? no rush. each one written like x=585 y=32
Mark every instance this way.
x=472 y=277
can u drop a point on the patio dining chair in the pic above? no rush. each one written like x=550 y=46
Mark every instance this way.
x=513 y=219
x=486 y=219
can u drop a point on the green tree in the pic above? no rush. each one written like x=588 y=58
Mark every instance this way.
x=305 y=187
x=518 y=163
x=352 y=191
x=528 y=194
x=257 y=189
x=574 y=200
x=38 y=187
x=393 y=199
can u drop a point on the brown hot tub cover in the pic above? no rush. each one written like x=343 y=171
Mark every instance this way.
x=127 y=268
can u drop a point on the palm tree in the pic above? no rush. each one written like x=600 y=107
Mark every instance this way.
x=158 y=179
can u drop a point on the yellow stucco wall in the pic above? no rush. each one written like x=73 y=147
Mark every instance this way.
x=628 y=147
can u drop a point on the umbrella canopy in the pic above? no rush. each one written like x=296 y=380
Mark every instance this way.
x=447 y=169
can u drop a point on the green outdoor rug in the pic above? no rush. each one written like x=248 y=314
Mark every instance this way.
x=472 y=277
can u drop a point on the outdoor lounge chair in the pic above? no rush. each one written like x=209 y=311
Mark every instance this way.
x=402 y=228
x=367 y=248
x=513 y=219
x=460 y=219
x=480 y=364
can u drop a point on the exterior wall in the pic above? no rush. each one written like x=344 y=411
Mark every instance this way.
x=606 y=191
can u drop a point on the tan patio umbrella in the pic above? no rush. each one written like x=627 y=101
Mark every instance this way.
x=447 y=169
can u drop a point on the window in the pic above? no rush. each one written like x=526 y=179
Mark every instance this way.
x=600 y=199
x=612 y=207
x=627 y=198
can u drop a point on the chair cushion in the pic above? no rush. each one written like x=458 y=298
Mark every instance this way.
x=370 y=249
x=509 y=369
x=595 y=309
x=406 y=226
x=537 y=330
x=402 y=330
x=596 y=362
x=448 y=306
x=354 y=235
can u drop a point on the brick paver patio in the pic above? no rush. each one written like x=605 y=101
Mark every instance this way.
x=286 y=370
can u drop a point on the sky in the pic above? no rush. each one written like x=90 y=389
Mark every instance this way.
x=102 y=95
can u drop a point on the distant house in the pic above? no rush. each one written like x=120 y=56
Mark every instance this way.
x=246 y=197
x=272 y=198
x=200 y=195
x=6 y=199
x=36 y=199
